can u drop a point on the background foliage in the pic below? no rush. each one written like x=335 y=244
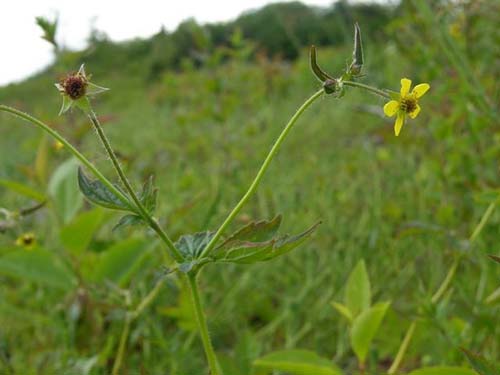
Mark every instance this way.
x=199 y=108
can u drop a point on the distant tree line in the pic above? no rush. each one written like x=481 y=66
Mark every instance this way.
x=276 y=30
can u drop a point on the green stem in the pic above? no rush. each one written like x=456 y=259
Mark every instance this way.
x=69 y=147
x=368 y=88
x=447 y=281
x=140 y=207
x=123 y=344
x=443 y=286
x=262 y=171
x=203 y=327
x=402 y=349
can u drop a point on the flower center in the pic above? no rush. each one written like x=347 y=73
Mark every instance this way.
x=75 y=86
x=28 y=239
x=408 y=105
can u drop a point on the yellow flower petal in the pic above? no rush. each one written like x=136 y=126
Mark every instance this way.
x=391 y=108
x=415 y=112
x=405 y=87
x=399 y=123
x=420 y=90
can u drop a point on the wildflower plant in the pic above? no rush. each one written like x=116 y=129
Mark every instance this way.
x=258 y=241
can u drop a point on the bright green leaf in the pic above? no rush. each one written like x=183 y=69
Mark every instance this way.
x=364 y=328
x=38 y=265
x=118 y=263
x=357 y=293
x=343 y=310
x=77 y=235
x=299 y=362
x=443 y=371
x=63 y=190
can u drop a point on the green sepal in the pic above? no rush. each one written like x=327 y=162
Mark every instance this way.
x=93 y=89
x=357 y=53
x=98 y=193
x=67 y=103
x=84 y=104
x=320 y=74
x=128 y=220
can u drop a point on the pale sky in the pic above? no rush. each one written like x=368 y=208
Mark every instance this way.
x=23 y=52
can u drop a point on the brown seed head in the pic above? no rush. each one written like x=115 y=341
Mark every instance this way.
x=74 y=85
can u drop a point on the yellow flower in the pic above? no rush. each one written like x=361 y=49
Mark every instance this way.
x=26 y=240
x=407 y=103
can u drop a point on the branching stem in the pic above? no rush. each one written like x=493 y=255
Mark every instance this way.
x=260 y=174
x=140 y=207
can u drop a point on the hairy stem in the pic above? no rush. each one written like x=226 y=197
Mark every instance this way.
x=203 y=327
x=368 y=88
x=46 y=128
x=262 y=171
x=140 y=207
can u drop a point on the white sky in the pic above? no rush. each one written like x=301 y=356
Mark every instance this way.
x=23 y=52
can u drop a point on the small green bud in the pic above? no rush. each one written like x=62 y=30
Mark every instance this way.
x=357 y=53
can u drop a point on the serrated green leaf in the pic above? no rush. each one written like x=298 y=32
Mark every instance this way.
x=260 y=231
x=38 y=265
x=343 y=310
x=119 y=262
x=357 y=292
x=295 y=361
x=63 y=190
x=481 y=364
x=244 y=252
x=287 y=243
x=364 y=328
x=247 y=252
x=191 y=245
x=443 y=371
x=96 y=192
x=77 y=235
x=128 y=220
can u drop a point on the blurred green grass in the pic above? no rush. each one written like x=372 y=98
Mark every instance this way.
x=406 y=205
